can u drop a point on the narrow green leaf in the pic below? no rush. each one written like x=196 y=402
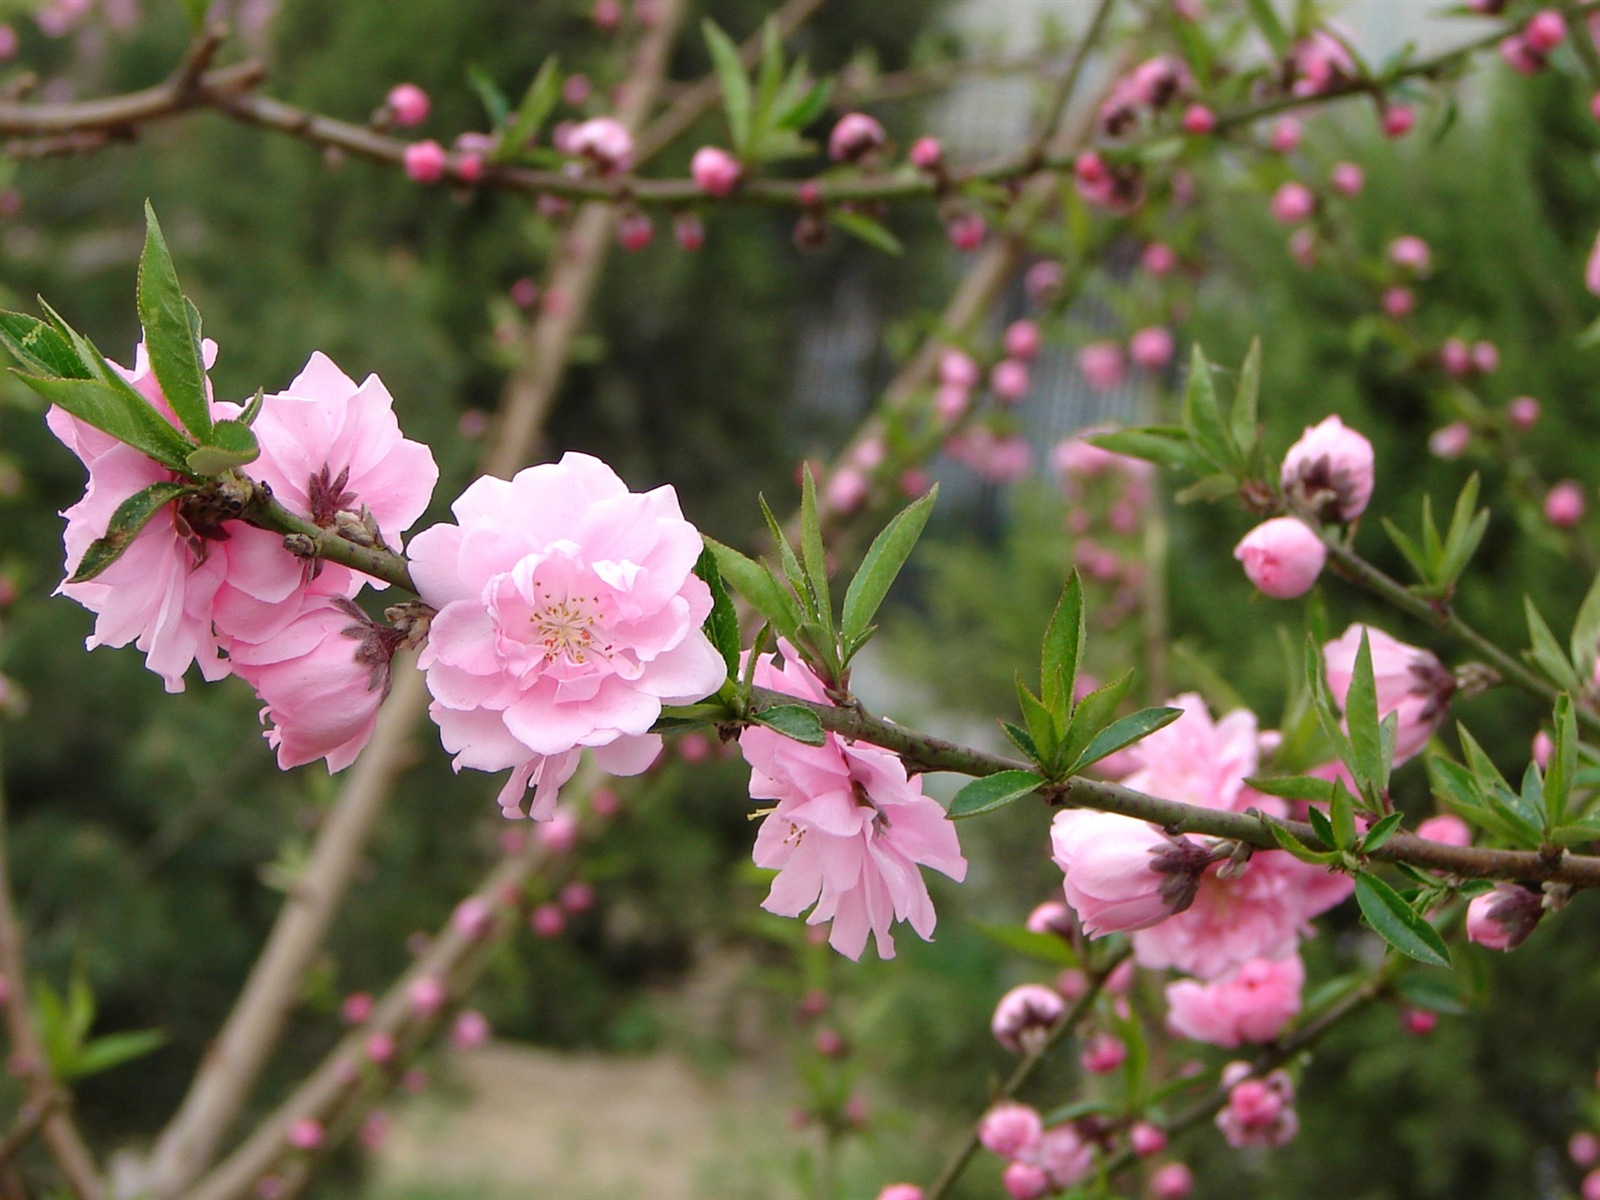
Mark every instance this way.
x=721 y=623
x=808 y=106
x=1432 y=543
x=1432 y=992
x=1046 y=947
x=1467 y=526
x=757 y=584
x=1287 y=841
x=1342 y=816
x=1202 y=415
x=1380 y=832
x=793 y=721
x=171 y=335
x=1021 y=739
x=1586 y=631
x=769 y=75
x=1414 y=554
x=489 y=93
x=1546 y=653
x=40 y=348
x=1266 y=20
x=123 y=414
x=1532 y=794
x=1293 y=787
x=1208 y=487
x=1162 y=445
x=1242 y=417
x=538 y=102
x=1572 y=835
x=786 y=555
x=1042 y=723
x=1361 y=719
x=1563 y=761
x=195 y=11
x=132 y=515
x=1090 y=717
x=1323 y=827
x=1062 y=649
x=1391 y=919
x=1124 y=731
x=881 y=566
x=812 y=554
x=113 y=1050
x=866 y=229
x=231 y=444
x=992 y=792
x=734 y=83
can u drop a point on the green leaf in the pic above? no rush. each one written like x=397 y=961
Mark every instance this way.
x=1361 y=719
x=40 y=348
x=1323 y=828
x=1380 y=832
x=1391 y=919
x=1046 y=947
x=1266 y=20
x=1293 y=787
x=1090 y=716
x=1432 y=992
x=992 y=792
x=769 y=73
x=1468 y=523
x=808 y=107
x=1062 y=649
x=793 y=721
x=1546 y=652
x=734 y=83
x=172 y=333
x=813 y=556
x=538 y=102
x=1293 y=845
x=1342 y=816
x=881 y=566
x=1124 y=731
x=1043 y=725
x=195 y=11
x=1021 y=739
x=1414 y=554
x=757 y=584
x=1162 y=445
x=1563 y=761
x=722 y=623
x=786 y=555
x=1242 y=418
x=1586 y=631
x=864 y=228
x=231 y=444
x=1202 y=414
x=494 y=100
x=122 y=413
x=113 y=1050
x=1208 y=487
x=132 y=515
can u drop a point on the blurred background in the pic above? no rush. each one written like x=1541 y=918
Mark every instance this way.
x=661 y=1046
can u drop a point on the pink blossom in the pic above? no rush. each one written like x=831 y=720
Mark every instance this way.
x=1398 y=302
x=605 y=142
x=1025 y=1181
x=1544 y=31
x=1330 y=470
x=854 y=137
x=1293 y=203
x=473 y=918
x=951 y=402
x=426 y=995
x=1103 y=1054
x=1260 y=1112
x=1052 y=917
x=1455 y=356
x=1446 y=828
x=577 y=896
x=849 y=830
x=1065 y=1156
x=1151 y=348
x=635 y=231
x=846 y=490
x=1286 y=135
x=471 y=1030
x=1102 y=365
x=1254 y=1004
x=607 y=15
x=1043 y=281
x=1411 y=253
x=1320 y=62
x=926 y=154
x=1010 y=1130
x=1348 y=178
x=1026 y=1016
x=1199 y=120
x=715 y=171
x=1303 y=247
x=1122 y=874
x=1589 y=1186
x=900 y=1191
x=1398 y=120
x=1196 y=760
x=8 y=42
x=1418 y=1022
x=408 y=104
x=356 y=1008
x=689 y=231
x=1410 y=682
x=568 y=614
x=1485 y=357
x=1450 y=441
x=1583 y=1148
x=1503 y=918
x=1009 y=380
x=1523 y=412
x=1159 y=259
x=380 y=1047
x=1282 y=557
x=305 y=1133
x=957 y=369
x=1145 y=1139
x=548 y=921
x=1171 y=1181
x=424 y=162
x=1543 y=746
x=1521 y=57
x=1022 y=340
x=559 y=834
x=1564 y=504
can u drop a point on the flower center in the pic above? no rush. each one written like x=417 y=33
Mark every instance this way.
x=564 y=626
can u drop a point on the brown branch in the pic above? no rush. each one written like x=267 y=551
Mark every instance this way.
x=120 y=114
x=59 y=1131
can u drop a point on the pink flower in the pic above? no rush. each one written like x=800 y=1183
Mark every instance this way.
x=1411 y=253
x=1196 y=760
x=1348 y=178
x=471 y=1030
x=1485 y=357
x=926 y=154
x=635 y=231
x=1122 y=874
x=1303 y=247
x=1102 y=366
x=1022 y=339
x=849 y=830
x=1523 y=412
x=426 y=995
x=1009 y=380
x=356 y=1007
x=1171 y=1181
x=1260 y=1112
x=1320 y=62
x=1520 y=56
x=854 y=137
x=715 y=171
x=1503 y=918
x=1583 y=1148
x=1024 y=1181
x=1159 y=259
x=408 y=104
x=1286 y=135
x=424 y=162
x=1010 y=1130
x=1446 y=828
x=957 y=369
x=1564 y=504
x=569 y=614
x=322 y=678
x=966 y=230
x=604 y=141
x=1043 y=281
x=1026 y=1016
x=1398 y=302
x=900 y=1191
x=1293 y=203
x=1282 y=557
x=1330 y=470
x=1254 y=1004
x=305 y=1133
x=1450 y=441
x=1151 y=348
x=1589 y=1187
x=1410 y=682
x=1103 y=1054
x=1544 y=31
x=1065 y=1156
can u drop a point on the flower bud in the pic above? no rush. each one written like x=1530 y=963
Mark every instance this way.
x=1418 y=1022
x=1450 y=441
x=1009 y=381
x=548 y=921
x=854 y=137
x=1398 y=120
x=1503 y=919
x=408 y=104
x=1485 y=357
x=1043 y=281
x=1010 y=1130
x=1171 y=1181
x=1348 y=179
x=1022 y=340
x=1523 y=412
x=1260 y=1112
x=1145 y=1139
x=1330 y=471
x=1564 y=504
x=1101 y=365
x=424 y=161
x=1544 y=31
x=1159 y=259
x=1199 y=120
x=1583 y=1149
x=1103 y=1054
x=688 y=231
x=1052 y=917
x=305 y=1133
x=1293 y=203
x=1589 y=1188
x=426 y=995
x=1282 y=557
x=926 y=154
x=1024 y=1181
x=1151 y=348
x=635 y=231
x=1398 y=302
x=1411 y=253
x=576 y=897
x=900 y=1191
x=473 y=918
x=379 y=1047
x=471 y=1030
x=604 y=141
x=1455 y=357
x=357 y=1007
x=715 y=171
x=965 y=230
x=1122 y=874
x=1026 y=1016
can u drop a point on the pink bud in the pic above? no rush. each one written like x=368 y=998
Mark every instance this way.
x=1544 y=31
x=950 y=402
x=1303 y=247
x=1485 y=357
x=1542 y=748
x=1329 y=470
x=957 y=369
x=1159 y=259
x=1102 y=365
x=426 y=995
x=1455 y=356
x=1010 y=1130
x=1451 y=441
x=8 y=42
x=1090 y=168
x=1146 y=1139
x=305 y=1134
x=1043 y=281
x=1398 y=120
x=1589 y=1189
x=575 y=89
x=1286 y=135
x=1022 y=339
x=1447 y=828
x=408 y=104
x=854 y=137
x=1409 y=252
x=1151 y=348
x=473 y=918
x=1024 y=1181
x=1293 y=203
x=1583 y=1149
x=1103 y=1054
x=1348 y=179
x=1071 y=983
x=1199 y=120
x=1520 y=56
x=1025 y=1017
x=635 y=232
x=374 y=1130
x=1418 y=1022
x=1503 y=918
x=607 y=15
x=1282 y=557
x=688 y=231
x=1009 y=381
x=965 y=230
x=1052 y=917
x=604 y=141
x=379 y=1047
x=926 y=154
x=1523 y=412
x=900 y=1191
x=1398 y=302
x=524 y=293
x=1171 y=1181
x=914 y=482
x=1120 y=981
x=357 y=1007
x=548 y=921
x=1564 y=504
x=559 y=834
x=425 y=161
x=577 y=897
x=471 y=1030
x=829 y=1043
x=715 y=171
